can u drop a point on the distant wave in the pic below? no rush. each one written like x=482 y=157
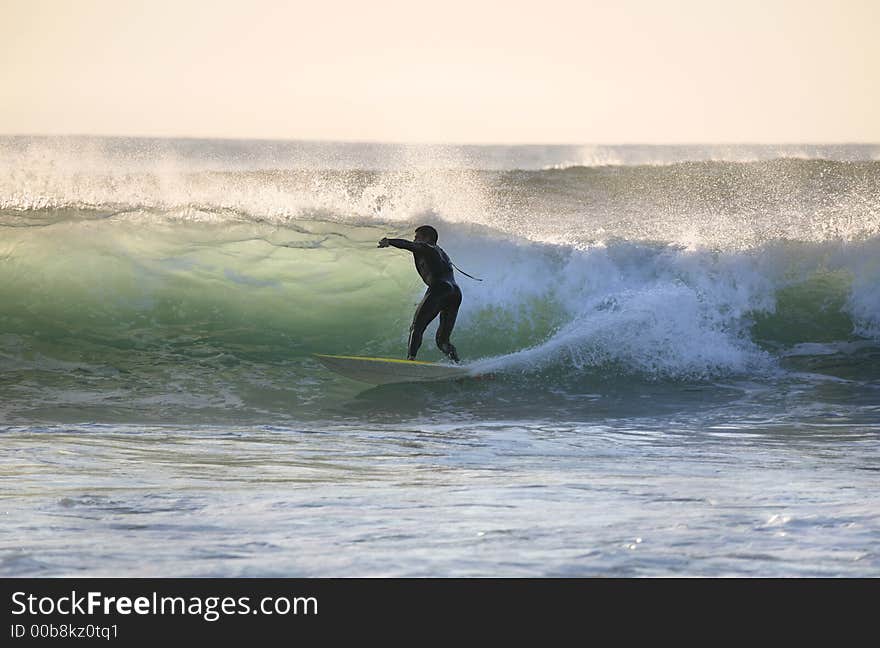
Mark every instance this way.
x=716 y=204
x=143 y=154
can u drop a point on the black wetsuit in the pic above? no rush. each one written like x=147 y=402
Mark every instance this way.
x=443 y=296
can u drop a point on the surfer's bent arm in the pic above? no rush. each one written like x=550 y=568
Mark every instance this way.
x=403 y=244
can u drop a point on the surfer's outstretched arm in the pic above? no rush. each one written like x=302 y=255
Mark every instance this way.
x=403 y=244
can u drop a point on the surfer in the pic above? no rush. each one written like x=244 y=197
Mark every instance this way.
x=443 y=296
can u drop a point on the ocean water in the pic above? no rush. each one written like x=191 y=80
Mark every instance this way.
x=684 y=344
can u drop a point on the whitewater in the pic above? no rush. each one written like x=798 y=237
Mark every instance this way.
x=684 y=343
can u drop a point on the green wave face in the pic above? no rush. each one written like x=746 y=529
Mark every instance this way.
x=264 y=292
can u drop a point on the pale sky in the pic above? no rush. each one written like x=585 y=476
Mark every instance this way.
x=448 y=71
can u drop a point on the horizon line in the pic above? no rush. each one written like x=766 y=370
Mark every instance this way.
x=216 y=138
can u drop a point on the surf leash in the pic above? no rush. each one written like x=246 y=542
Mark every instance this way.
x=462 y=271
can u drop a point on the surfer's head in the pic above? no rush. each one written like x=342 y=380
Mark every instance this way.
x=426 y=234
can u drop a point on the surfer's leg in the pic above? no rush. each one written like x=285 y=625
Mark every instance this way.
x=447 y=323
x=425 y=314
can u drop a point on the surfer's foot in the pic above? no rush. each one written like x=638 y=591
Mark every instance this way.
x=410 y=357
x=450 y=352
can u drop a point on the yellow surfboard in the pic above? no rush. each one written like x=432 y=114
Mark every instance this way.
x=384 y=371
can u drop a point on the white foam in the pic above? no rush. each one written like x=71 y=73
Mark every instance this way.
x=662 y=312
